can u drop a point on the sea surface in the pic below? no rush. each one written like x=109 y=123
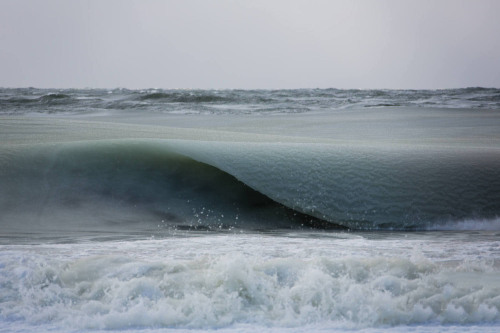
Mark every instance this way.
x=310 y=210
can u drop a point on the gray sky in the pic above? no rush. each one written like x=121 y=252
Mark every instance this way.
x=250 y=44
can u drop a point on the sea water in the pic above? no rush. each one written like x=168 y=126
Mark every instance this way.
x=238 y=211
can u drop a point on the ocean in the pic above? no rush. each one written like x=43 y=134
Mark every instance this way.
x=306 y=210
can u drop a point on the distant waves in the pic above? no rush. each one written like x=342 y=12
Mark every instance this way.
x=89 y=101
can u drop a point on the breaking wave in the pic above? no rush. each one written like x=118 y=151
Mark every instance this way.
x=95 y=186
x=189 y=184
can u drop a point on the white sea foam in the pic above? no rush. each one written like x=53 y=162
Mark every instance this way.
x=245 y=281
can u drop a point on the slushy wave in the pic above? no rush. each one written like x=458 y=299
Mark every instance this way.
x=132 y=186
x=131 y=183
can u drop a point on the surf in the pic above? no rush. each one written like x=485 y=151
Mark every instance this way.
x=339 y=281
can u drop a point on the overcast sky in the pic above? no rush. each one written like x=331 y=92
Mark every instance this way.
x=250 y=44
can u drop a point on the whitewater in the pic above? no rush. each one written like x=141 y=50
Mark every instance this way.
x=238 y=210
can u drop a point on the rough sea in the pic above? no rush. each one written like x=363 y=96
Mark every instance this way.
x=310 y=210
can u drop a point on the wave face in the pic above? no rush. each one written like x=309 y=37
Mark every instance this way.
x=89 y=101
x=366 y=187
x=147 y=184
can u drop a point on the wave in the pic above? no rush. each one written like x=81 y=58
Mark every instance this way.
x=194 y=184
x=48 y=103
x=366 y=187
x=45 y=99
x=184 y=97
x=132 y=185
x=380 y=105
x=53 y=97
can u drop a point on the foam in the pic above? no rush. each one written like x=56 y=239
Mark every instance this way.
x=250 y=280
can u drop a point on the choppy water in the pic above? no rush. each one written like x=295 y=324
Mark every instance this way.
x=296 y=210
x=31 y=100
